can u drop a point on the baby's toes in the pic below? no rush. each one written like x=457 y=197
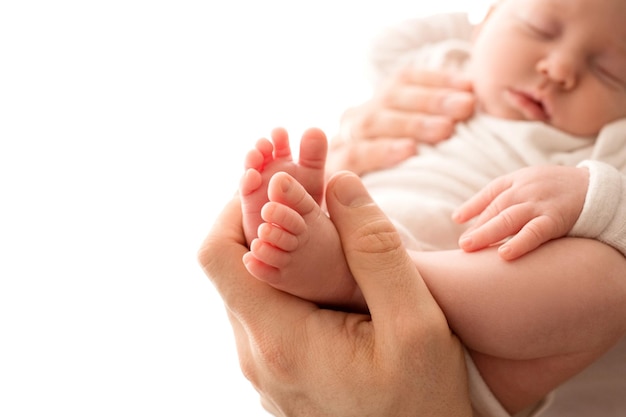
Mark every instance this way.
x=261 y=155
x=278 y=237
x=313 y=149
x=249 y=183
x=270 y=255
x=280 y=139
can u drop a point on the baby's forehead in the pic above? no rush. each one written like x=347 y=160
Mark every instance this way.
x=604 y=19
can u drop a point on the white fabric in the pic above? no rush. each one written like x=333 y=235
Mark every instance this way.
x=484 y=403
x=604 y=213
x=397 y=45
x=421 y=193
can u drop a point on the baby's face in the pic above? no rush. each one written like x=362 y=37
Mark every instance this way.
x=558 y=61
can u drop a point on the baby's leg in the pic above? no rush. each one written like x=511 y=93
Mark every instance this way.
x=267 y=158
x=298 y=249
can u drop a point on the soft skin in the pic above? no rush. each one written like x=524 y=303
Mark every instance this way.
x=570 y=56
x=383 y=364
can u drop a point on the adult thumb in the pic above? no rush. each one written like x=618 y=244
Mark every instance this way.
x=389 y=281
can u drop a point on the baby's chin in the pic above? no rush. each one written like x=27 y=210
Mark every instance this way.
x=501 y=111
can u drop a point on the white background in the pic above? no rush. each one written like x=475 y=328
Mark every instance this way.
x=122 y=130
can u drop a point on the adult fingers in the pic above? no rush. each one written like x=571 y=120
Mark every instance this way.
x=258 y=307
x=390 y=282
x=457 y=105
x=431 y=92
x=388 y=122
x=361 y=157
x=431 y=78
x=402 y=115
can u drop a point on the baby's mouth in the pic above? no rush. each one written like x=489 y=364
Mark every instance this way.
x=532 y=108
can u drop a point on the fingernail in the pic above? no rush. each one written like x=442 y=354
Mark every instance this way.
x=284 y=182
x=504 y=251
x=350 y=192
x=465 y=242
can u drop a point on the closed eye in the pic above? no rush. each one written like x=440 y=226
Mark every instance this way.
x=539 y=31
x=609 y=77
x=540 y=24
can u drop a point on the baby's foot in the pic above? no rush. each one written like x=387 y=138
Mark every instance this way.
x=298 y=249
x=267 y=158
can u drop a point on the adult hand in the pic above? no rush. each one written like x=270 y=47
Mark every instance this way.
x=401 y=360
x=533 y=205
x=417 y=104
x=413 y=106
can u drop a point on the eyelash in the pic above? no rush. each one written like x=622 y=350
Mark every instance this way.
x=539 y=31
x=609 y=77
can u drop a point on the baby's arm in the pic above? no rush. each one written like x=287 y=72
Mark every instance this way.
x=558 y=308
x=531 y=206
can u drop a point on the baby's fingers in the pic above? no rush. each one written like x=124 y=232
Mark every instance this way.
x=506 y=223
x=481 y=201
x=470 y=209
x=533 y=234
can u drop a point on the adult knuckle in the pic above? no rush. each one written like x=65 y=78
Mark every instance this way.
x=274 y=359
x=405 y=74
x=377 y=237
x=418 y=123
x=209 y=252
x=436 y=102
x=344 y=157
x=388 y=98
x=249 y=369
x=364 y=123
x=265 y=357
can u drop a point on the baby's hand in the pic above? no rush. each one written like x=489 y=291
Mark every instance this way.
x=532 y=206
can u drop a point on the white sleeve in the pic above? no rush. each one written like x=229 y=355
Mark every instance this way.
x=397 y=44
x=604 y=213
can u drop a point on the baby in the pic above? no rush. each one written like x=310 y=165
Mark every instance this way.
x=543 y=158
